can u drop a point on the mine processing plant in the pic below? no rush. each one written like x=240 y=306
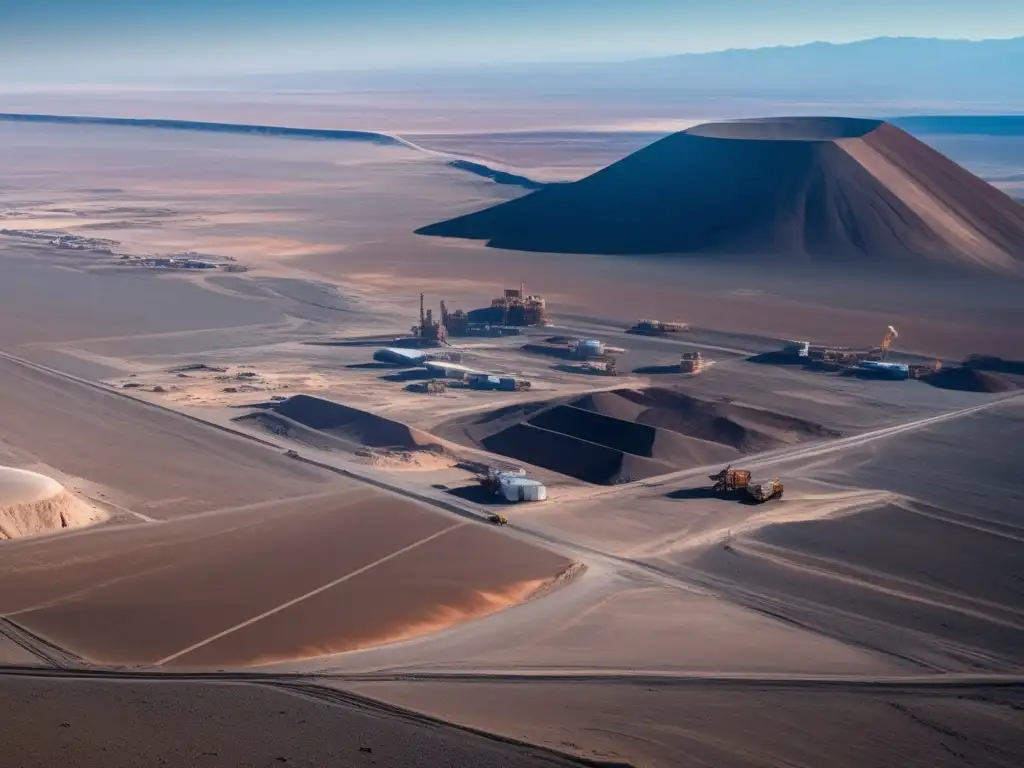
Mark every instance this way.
x=513 y=308
x=506 y=316
x=658 y=328
x=430 y=332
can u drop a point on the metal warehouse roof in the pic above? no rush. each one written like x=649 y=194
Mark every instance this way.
x=441 y=365
x=412 y=355
x=519 y=480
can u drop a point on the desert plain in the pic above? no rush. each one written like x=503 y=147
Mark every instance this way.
x=349 y=602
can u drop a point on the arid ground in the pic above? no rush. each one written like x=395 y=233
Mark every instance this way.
x=273 y=579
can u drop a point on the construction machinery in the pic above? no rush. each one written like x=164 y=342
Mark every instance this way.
x=604 y=367
x=730 y=480
x=765 y=490
x=497 y=519
x=430 y=387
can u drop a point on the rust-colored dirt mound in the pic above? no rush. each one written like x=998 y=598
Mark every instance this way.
x=969 y=380
x=828 y=189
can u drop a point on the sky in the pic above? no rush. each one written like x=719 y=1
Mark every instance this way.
x=109 y=40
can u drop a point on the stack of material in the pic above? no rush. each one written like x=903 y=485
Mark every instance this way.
x=692 y=362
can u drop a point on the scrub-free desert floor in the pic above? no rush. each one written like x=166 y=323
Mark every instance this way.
x=869 y=618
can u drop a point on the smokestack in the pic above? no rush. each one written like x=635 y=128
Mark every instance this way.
x=421 y=311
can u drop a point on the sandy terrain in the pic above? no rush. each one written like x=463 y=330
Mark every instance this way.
x=190 y=723
x=265 y=515
x=727 y=633
x=31 y=503
x=232 y=588
x=170 y=467
x=331 y=197
x=738 y=724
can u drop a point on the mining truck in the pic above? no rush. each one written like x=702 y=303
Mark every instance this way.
x=730 y=480
x=766 y=490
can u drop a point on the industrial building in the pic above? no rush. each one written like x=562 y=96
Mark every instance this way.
x=513 y=485
x=448 y=370
x=398 y=356
x=658 y=328
x=587 y=349
x=513 y=308
x=430 y=332
x=884 y=370
x=490 y=381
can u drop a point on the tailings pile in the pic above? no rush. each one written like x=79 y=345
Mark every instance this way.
x=967 y=379
x=607 y=438
x=327 y=425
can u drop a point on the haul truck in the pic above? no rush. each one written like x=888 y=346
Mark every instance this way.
x=731 y=480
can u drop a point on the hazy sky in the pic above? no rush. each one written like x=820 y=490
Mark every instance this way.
x=103 y=39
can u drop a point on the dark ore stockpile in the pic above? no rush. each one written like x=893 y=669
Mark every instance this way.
x=824 y=189
x=607 y=438
x=968 y=379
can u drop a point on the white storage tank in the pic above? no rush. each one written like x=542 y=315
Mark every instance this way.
x=519 y=488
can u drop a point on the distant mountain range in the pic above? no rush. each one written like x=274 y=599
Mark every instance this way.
x=911 y=71
x=920 y=68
